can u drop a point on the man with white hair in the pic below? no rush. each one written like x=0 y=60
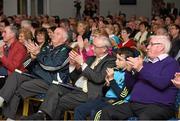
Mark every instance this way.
x=89 y=79
x=153 y=95
x=50 y=64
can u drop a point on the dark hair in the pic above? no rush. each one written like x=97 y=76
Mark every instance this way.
x=177 y=26
x=145 y=24
x=57 y=19
x=128 y=52
x=128 y=30
x=52 y=28
x=65 y=21
x=35 y=24
x=42 y=31
x=6 y=22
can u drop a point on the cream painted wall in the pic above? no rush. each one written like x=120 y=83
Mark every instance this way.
x=10 y=7
x=142 y=7
x=65 y=8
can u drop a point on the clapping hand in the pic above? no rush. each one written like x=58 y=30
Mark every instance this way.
x=176 y=80
x=137 y=63
x=32 y=48
x=80 y=42
x=75 y=57
x=109 y=76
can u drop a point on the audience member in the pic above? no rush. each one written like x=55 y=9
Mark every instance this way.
x=52 y=64
x=13 y=53
x=118 y=80
x=174 y=31
x=24 y=35
x=127 y=42
x=89 y=79
x=153 y=95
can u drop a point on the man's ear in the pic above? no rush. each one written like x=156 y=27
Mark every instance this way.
x=162 y=48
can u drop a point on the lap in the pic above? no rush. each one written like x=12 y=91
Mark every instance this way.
x=73 y=99
x=92 y=105
x=33 y=87
x=152 y=111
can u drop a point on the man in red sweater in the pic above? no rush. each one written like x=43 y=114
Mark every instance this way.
x=12 y=53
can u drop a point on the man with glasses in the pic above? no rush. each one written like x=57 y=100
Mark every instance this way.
x=174 y=31
x=153 y=95
x=89 y=79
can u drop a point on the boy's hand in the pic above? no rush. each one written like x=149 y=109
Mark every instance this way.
x=110 y=73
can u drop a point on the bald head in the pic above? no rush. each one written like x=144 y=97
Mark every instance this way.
x=59 y=37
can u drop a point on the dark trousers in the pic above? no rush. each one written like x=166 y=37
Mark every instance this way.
x=59 y=99
x=90 y=108
x=19 y=86
x=142 y=111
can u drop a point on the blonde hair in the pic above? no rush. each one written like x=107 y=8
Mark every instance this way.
x=26 y=32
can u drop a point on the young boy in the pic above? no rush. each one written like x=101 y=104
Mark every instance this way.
x=118 y=80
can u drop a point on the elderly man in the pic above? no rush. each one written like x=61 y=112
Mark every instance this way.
x=13 y=52
x=153 y=94
x=52 y=64
x=89 y=77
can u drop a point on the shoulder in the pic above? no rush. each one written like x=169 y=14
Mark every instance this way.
x=18 y=45
x=62 y=49
x=169 y=61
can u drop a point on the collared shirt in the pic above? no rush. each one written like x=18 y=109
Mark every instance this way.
x=82 y=81
x=159 y=58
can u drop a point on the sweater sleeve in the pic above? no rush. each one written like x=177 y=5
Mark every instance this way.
x=165 y=74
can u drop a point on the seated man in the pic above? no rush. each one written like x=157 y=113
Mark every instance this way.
x=12 y=53
x=89 y=78
x=50 y=65
x=153 y=95
x=118 y=80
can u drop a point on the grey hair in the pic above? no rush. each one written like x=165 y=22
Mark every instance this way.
x=164 y=31
x=106 y=41
x=65 y=33
x=165 y=40
x=14 y=30
x=26 y=22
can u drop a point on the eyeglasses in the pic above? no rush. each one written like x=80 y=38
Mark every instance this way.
x=123 y=32
x=152 y=44
x=98 y=46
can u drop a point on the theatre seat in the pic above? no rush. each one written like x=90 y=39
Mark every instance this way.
x=27 y=101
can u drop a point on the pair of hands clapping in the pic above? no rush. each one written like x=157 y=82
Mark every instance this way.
x=75 y=59
x=33 y=48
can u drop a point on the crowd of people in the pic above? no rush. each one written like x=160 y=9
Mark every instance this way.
x=102 y=68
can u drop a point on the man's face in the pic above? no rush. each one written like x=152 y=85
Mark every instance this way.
x=154 y=49
x=57 y=37
x=99 y=47
x=173 y=31
x=7 y=34
x=2 y=26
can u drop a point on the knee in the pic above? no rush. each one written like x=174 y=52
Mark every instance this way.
x=144 y=117
x=78 y=110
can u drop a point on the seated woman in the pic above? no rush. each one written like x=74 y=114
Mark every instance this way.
x=127 y=42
